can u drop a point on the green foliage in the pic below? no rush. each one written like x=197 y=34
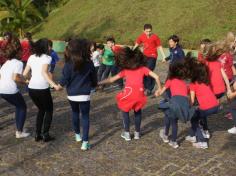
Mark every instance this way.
x=124 y=19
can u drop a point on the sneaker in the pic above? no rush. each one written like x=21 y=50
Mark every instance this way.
x=163 y=136
x=78 y=138
x=85 y=146
x=206 y=134
x=136 y=135
x=126 y=136
x=21 y=134
x=232 y=130
x=229 y=116
x=202 y=145
x=191 y=139
x=173 y=144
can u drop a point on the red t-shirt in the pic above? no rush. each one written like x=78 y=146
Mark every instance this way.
x=200 y=57
x=134 y=77
x=116 y=49
x=204 y=95
x=150 y=44
x=226 y=61
x=217 y=83
x=177 y=87
x=25 y=50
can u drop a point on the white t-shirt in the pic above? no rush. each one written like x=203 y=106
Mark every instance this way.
x=36 y=63
x=96 y=58
x=7 y=84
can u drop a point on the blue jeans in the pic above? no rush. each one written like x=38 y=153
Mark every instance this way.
x=174 y=125
x=137 y=120
x=18 y=101
x=149 y=82
x=233 y=110
x=104 y=71
x=84 y=108
x=201 y=115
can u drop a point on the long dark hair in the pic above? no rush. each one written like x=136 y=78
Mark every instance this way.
x=13 y=49
x=78 y=52
x=177 y=71
x=41 y=47
x=200 y=74
x=130 y=59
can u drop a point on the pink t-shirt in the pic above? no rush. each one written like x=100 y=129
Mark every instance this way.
x=217 y=83
x=204 y=95
x=226 y=61
x=134 y=77
x=150 y=44
x=177 y=87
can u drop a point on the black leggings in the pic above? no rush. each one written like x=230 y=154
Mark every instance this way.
x=43 y=100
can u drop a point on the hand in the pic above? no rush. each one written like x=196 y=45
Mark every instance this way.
x=57 y=87
x=158 y=92
x=229 y=94
x=163 y=60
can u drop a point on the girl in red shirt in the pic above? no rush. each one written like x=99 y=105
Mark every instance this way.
x=219 y=81
x=179 y=97
x=132 y=64
x=207 y=104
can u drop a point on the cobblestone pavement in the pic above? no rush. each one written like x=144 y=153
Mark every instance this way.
x=111 y=155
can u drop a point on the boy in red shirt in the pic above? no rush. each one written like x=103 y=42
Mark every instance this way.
x=151 y=43
x=26 y=48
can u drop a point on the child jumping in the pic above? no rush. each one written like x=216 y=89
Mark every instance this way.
x=132 y=63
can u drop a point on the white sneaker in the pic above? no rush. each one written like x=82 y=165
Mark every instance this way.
x=206 y=134
x=126 y=136
x=85 y=146
x=191 y=139
x=21 y=134
x=173 y=144
x=202 y=145
x=232 y=130
x=136 y=135
x=163 y=136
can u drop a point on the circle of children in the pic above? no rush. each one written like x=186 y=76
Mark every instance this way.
x=191 y=92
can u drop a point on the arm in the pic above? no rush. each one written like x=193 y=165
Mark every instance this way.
x=109 y=80
x=234 y=70
x=157 y=79
x=135 y=46
x=46 y=75
x=192 y=97
x=162 y=53
x=19 y=78
x=226 y=80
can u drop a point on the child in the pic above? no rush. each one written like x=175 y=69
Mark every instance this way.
x=218 y=79
x=203 y=44
x=132 y=97
x=26 y=45
x=207 y=102
x=176 y=52
x=79 y=77
x=96 y=55
x=54 y=57
x=39 y=90
x=10 y=75
x=108 y=61
x=178 y=106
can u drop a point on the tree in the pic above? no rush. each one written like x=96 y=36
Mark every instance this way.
x=18 y=15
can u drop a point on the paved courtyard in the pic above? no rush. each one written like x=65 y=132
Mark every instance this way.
x=110 y=155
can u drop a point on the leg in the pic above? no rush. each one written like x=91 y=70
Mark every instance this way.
x=35 y=96
x=100 y=71
x=166 y=123
x=149 y=82
x=85 y=108
x=174 y=125
x=138 y=118
x=126 y=120
x=75 y=116
x=48 y=106
x=106 y=72
x=18 y=101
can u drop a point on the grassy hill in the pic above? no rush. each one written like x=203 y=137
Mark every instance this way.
x=124 y=19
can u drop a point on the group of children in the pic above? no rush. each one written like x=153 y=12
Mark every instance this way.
x=191 y=92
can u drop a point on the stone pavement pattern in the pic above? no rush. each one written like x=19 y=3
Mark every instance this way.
x=111 y=155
